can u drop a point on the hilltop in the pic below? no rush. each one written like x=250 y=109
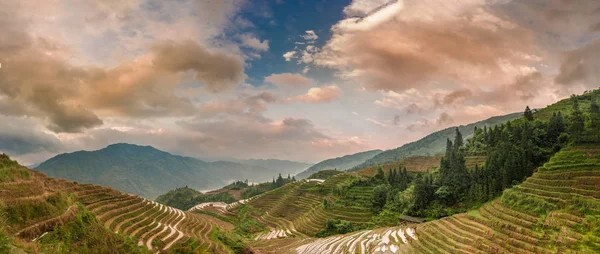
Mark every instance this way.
x=147 y=171
x=432 y=144
x=339 y=163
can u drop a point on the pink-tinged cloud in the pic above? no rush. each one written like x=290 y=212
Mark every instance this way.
x=319 y=95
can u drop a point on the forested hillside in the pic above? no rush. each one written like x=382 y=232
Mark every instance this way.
x=147 y=171
x=339 y=163
x=432 y=144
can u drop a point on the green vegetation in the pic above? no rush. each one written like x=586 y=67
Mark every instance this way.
x=324 y=174
x=233 y=242
x=185 y=198
x=5 y=240
x=254 y=190
x=432 y=144
x=340 y=163
x=86 y=235
x=529 y=185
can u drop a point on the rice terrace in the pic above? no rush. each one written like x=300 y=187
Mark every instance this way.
x=300 y=127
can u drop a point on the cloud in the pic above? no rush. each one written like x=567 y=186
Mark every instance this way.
x=363 y=7
x=290 y=79
x=219 y=71
x=310 y=36
x=43 y=77
x=456 y=95
x=251 y=41
x=19 y=136
x=410 y=44
x=289 y=55
x=246 y=104
x=581 y=66
x=319 y=95
x=247 y=138
x=444 y=119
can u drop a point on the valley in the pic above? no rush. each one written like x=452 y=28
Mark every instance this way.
x=473 y=198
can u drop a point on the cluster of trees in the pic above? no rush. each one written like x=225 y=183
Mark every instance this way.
x=395 y=181
x=185 y=198
x=513 y=151
x=257 y=189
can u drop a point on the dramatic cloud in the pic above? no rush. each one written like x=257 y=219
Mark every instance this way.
x=319 y=95
x=413 y=44
x=23 y=136
x=290 y=79
x=39 y=79
x=217 y=70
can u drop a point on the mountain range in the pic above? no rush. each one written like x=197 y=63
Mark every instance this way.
x=339 y=163
x=149 y=172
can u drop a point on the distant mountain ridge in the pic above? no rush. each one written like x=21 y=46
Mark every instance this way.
x=339 y=163
x=283 y=166
x=147 y=171
x=432 y=144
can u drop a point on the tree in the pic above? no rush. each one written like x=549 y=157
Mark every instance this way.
x=380 y=195
x=528 y=114
x=422 y=196
x=379 y=176
x=595 y=119
x=458 y=140
x=556 y=126
x=577 y=125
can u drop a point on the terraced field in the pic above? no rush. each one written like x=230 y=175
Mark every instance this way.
x=555 y=211
x=381 y=240
x=296 y=209
x=153 y=225
x=417 y=164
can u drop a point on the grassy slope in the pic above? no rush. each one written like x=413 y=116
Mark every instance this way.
x=81 y=218
x=185 y=198
x=31 y=204
x=432 y=144
x=324 y=174
x=416 y=164
x=340 y=163
x=299 y=206
x=557 y=210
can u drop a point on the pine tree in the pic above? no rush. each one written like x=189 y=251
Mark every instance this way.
x=556 y=126
x=379 y=176
x=458 y=140
x=577 y=125
x=528 y=114
x=595 y=119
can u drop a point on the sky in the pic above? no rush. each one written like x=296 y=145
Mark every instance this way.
x=302 y=80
